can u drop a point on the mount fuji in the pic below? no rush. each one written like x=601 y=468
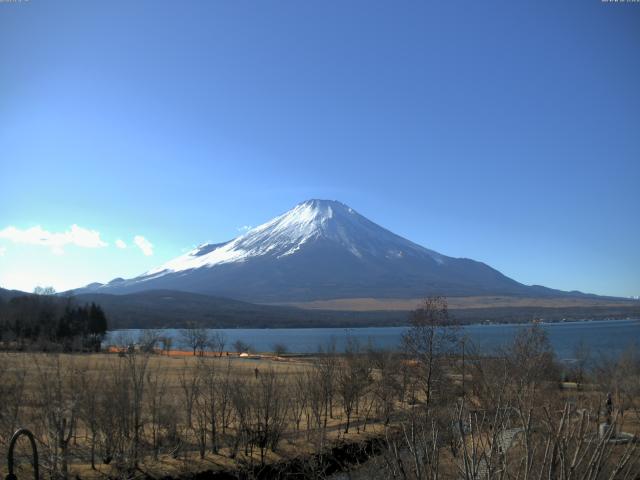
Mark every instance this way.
x=321 y=250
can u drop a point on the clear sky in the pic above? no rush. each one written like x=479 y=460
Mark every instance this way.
x=503 y=131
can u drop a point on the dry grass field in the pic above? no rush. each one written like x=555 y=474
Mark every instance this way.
x=52 y=385
x=458 y=303
x=417 y=414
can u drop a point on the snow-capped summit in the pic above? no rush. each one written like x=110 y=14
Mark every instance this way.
x=320 y=249
x=286 y=234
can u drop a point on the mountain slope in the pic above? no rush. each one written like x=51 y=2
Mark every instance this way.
x=318 y=250
x=6 y=295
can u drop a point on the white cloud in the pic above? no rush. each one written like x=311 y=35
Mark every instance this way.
x=143 y=244
x=120 y=244
x=3 y=250
x=245 y=228
x=78 y=236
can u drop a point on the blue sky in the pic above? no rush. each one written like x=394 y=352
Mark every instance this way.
x=507 y=132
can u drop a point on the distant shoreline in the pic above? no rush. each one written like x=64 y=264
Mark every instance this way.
x=363 y=327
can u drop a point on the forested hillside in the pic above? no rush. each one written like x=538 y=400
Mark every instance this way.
x=49 y=322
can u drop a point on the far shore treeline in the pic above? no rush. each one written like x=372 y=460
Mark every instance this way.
x=44 y=321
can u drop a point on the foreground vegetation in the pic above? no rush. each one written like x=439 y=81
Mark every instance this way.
x=434 y=410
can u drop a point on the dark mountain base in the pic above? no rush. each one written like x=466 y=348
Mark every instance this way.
x=173 y=309
x=170 y=309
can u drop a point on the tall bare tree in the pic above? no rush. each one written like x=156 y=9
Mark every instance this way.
x=431 y=339
x=136 y=369
x=353 y=377
x=58 y=406
x=155 y=402
x=90 y=388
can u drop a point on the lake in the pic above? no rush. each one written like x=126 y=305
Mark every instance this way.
x=608 y=337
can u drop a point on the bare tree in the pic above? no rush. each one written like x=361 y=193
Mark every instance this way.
x=149 y=340
x=224 y=409
x=630 y=384
x=353 y=377
x=217 y=342
x=430 y=340
x=241 y=347
x=279 y=349
x=201 y=408
x=318 y=399
x=155 y=401
x=189 y=383
x=44 y=291
x=531 y=367
x=58 y=405
x=166 y=342
x=242 y=408
x=212 y=400
x=196 y=338
x=270 y=412
x=582 y=355
x=113 y=416
x=90 y=391
x=387 y=386
x=12 y=393
x=620 y=376
x=326 y=365
x=136 y=368
x=299 y=399
x=555 y=443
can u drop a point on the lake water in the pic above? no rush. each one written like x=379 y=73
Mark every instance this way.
x=608 y=337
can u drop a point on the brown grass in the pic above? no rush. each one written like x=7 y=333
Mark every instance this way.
x=171 y=367
x=403 y=304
